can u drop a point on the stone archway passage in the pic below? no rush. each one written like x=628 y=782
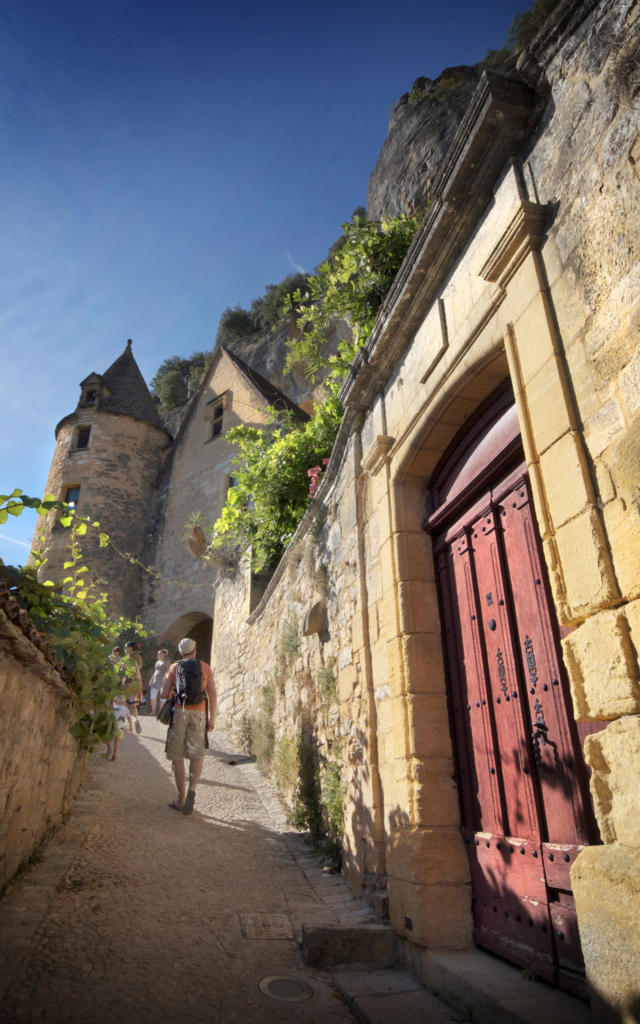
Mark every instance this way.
x=198 y=626
x=526 y=811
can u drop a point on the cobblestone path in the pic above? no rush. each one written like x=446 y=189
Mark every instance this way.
x=136 y=912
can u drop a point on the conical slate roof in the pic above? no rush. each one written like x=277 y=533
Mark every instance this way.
x=126 y=391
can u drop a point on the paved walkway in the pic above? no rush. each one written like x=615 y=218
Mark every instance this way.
x=138 y=913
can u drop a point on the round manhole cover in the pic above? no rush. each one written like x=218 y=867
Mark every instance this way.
x=290 y=990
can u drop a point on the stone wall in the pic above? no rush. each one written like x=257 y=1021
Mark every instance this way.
x=41 y=765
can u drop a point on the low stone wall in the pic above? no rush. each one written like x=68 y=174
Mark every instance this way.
x=41 y=765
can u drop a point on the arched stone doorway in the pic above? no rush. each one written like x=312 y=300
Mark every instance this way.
x=524 y=801
x=198 y=626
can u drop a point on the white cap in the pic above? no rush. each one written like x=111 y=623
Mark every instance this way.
x=187 y=645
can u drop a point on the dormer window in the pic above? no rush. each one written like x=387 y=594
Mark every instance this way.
x=90 y=396
x=215 y=416
x=82 y=438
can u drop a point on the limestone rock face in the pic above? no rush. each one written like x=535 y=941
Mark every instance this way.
x=420 y=132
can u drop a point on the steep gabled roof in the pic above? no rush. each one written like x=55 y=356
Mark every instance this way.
x=126 y=392
x=273 y=395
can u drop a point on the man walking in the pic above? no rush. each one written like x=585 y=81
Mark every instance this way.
x=189 y=682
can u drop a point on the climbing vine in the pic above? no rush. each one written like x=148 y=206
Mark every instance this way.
x=350 y=285
x=272 y=487
x=74 y=618
x=273 y=465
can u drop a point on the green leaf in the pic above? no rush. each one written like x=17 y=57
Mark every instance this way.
x=3 y=515
x=81 y=529
x=15 y=510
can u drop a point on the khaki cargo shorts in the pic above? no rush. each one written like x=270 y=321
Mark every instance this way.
x=186 y=735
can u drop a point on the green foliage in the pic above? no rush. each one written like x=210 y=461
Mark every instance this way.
x=333 y=794
x=286 y=765
x=177 y=379
x=74 y=618
x=267 y=311
x=351 y=285
x=307 y=807
x=289 y=641
x=272 y=492
x=327 y=682
x=234 y=324
x=262 y=731
x=525 y=27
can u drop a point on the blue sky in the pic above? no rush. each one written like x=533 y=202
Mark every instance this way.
x=162 y=160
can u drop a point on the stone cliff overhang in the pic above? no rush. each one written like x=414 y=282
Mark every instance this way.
x=501 y=117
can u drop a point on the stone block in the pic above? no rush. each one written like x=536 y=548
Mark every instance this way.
x=427 y=856
x=606 y=489
x=413 y=556
x=418 y=606
x=602 y=668
x=346 y=683
x=610 y=928
x=547 y=405
x=629 y=381
x=435 y=792
x=424 y=663
x=410 y=504
x=614 y=758
x=585 y=564
x=429 y=734
x=603 y=428
x=565 y=479
x=534 y=343
x=622 y=523
x=431 y=915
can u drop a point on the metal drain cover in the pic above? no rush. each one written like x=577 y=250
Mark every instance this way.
x=266 y=926
x=288 y=990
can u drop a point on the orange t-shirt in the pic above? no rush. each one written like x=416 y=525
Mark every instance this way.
x=207 y=674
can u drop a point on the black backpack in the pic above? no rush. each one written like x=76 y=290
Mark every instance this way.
x=189 y=688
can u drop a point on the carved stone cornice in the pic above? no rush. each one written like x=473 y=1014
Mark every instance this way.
x=378 y=454
x=522 y=236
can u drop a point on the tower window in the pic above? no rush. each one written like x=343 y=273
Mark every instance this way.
x=82 y=437
x=90 y=396
x=217 y=412
x=72 y=495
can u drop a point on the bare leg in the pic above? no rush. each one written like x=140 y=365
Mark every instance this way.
x=116 y=747
x=195 y=771
x=179 y=777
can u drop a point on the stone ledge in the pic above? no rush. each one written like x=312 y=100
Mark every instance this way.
x=491 y=991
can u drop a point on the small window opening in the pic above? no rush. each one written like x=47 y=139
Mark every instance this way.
x=216 y=419
x=90 y=396
x=72 y=496
x=82 y=437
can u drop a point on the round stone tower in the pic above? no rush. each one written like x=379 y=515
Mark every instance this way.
x=108 y=454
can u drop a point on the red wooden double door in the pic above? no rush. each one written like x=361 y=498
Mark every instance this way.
x=525 y=805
